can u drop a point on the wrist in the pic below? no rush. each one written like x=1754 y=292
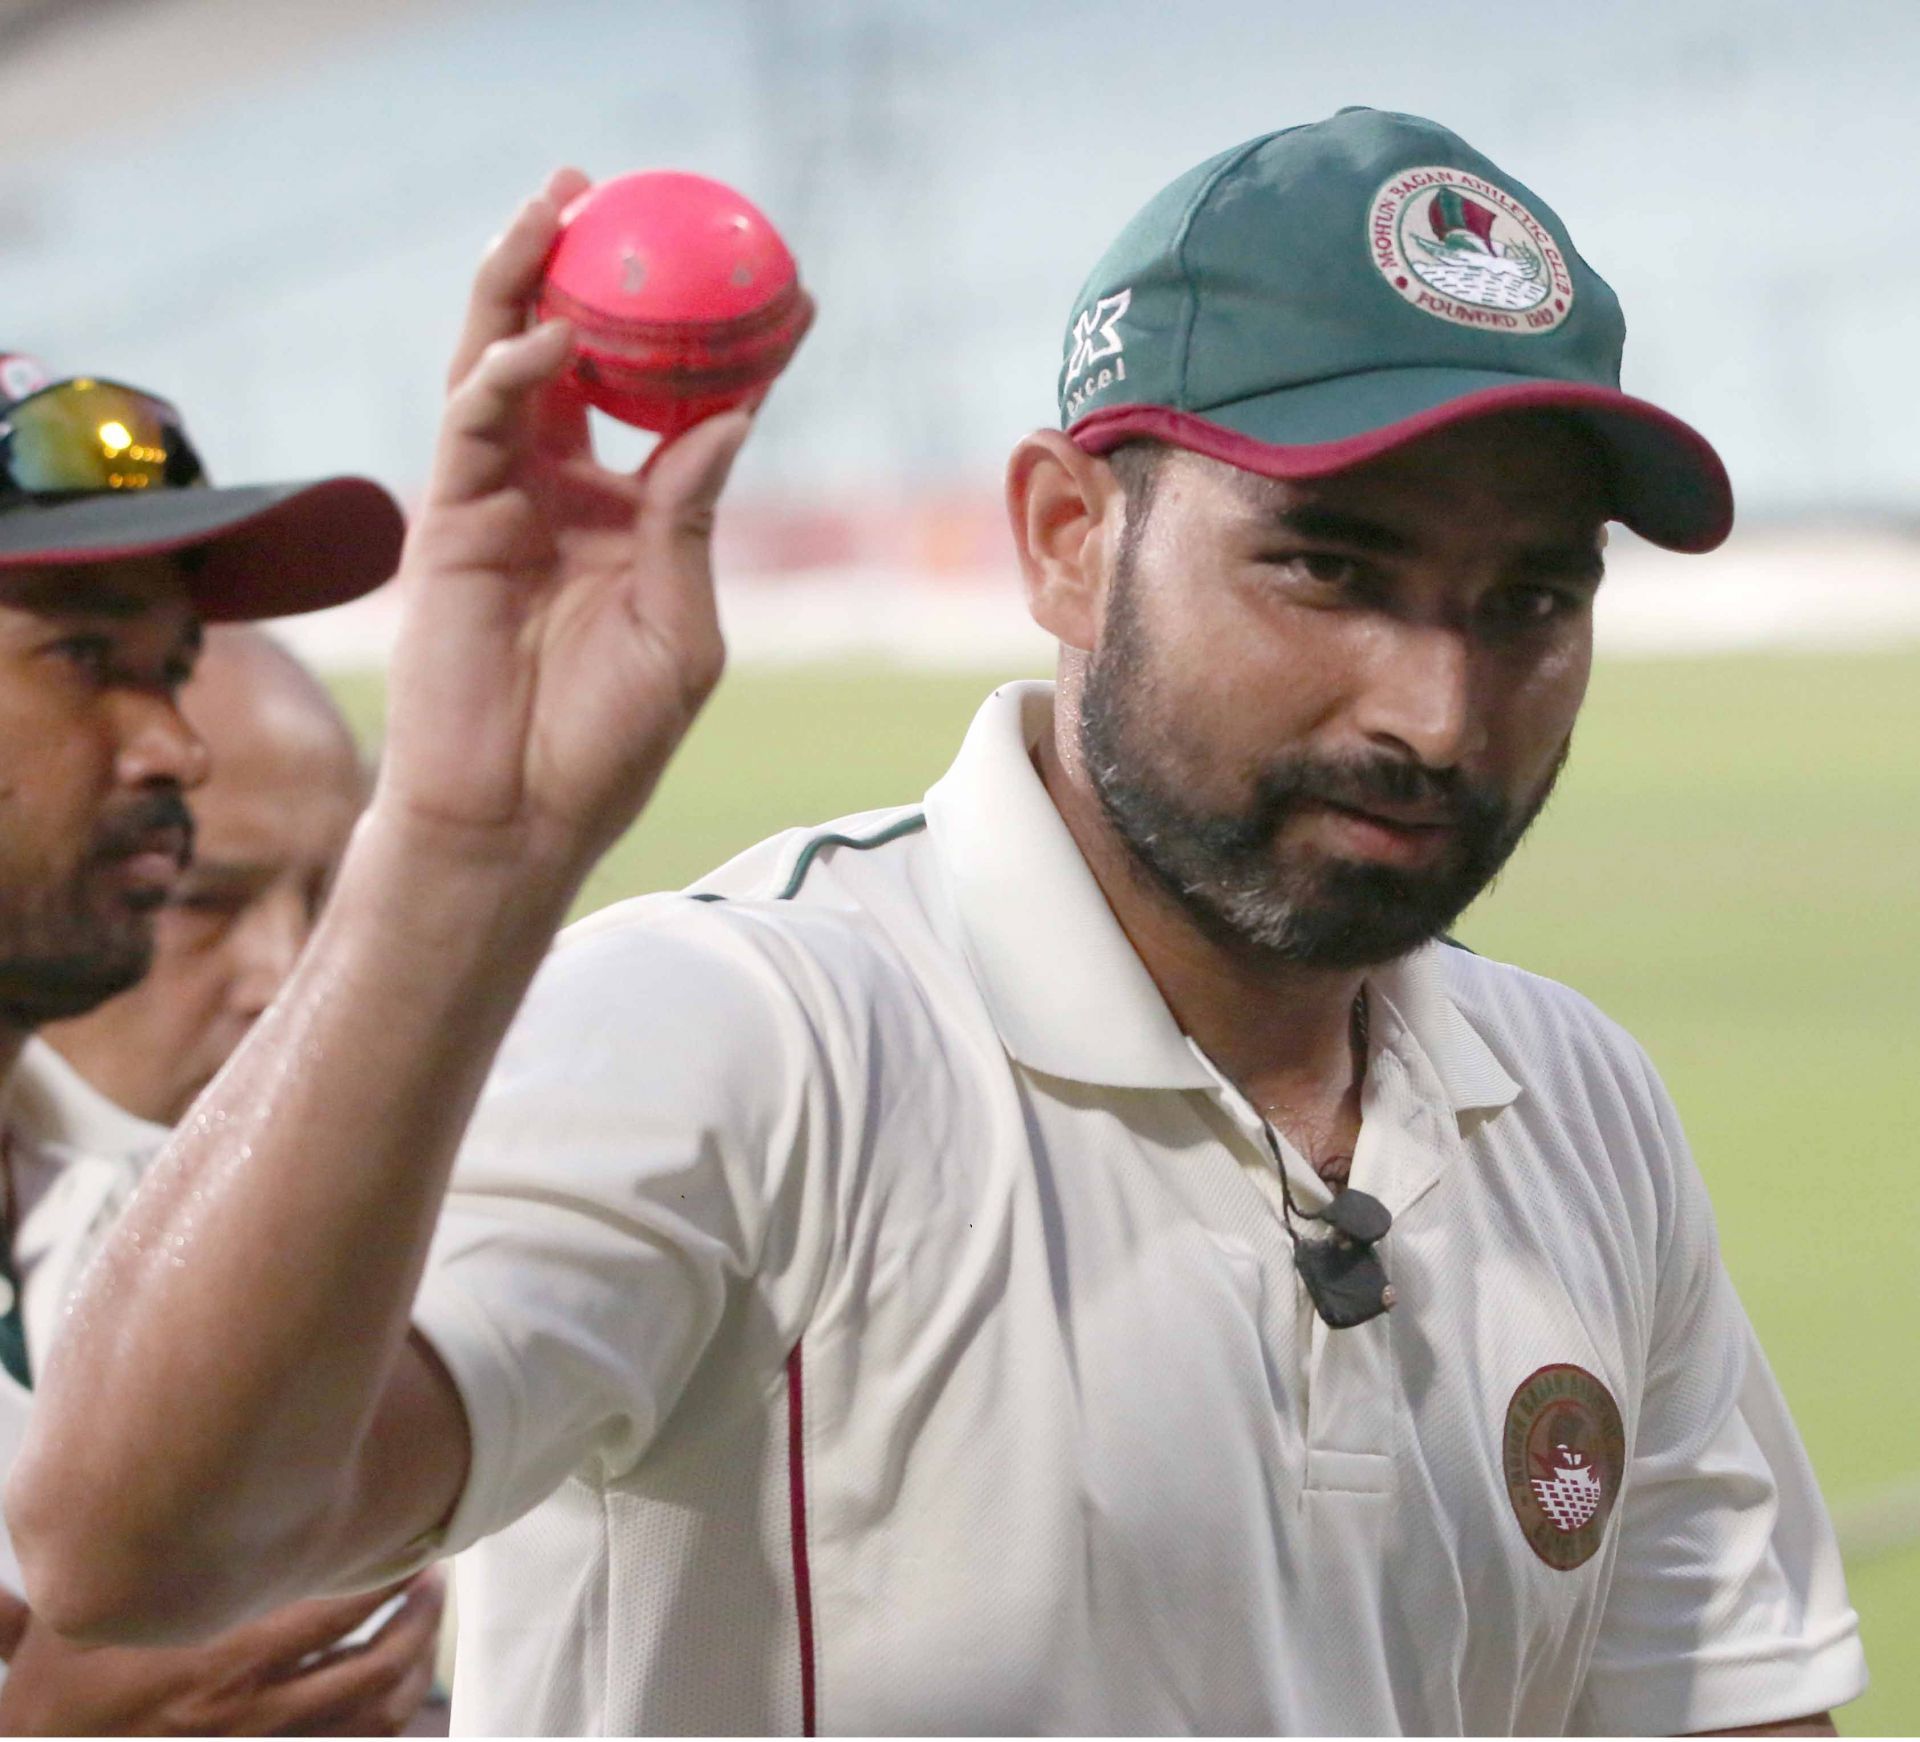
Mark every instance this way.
x=436 y=879
x=532 y=858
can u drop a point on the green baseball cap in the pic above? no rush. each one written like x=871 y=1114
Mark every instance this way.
x=1317 y=297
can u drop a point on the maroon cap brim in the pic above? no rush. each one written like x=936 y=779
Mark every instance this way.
x=1667 y=482
x=269 y=550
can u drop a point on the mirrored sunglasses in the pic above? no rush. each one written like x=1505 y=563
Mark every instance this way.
x=82 y=437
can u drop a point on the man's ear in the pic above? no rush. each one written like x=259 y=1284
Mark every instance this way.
x=1067 y=511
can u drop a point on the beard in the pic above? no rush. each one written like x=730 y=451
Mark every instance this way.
x=1226 y=871
x=76 y=946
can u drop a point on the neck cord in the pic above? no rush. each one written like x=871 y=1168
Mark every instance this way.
x=1343 y=1275
x=1358 y=1036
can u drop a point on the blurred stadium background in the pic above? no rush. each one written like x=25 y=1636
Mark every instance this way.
x=269 y=211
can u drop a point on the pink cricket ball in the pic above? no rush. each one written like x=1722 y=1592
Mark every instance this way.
x=683 y=298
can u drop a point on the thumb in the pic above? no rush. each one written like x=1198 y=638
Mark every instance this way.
x=692 y=466
x=14 y=1616
x=673 y=526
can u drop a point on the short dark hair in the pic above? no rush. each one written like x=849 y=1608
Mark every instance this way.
x=1136 y=464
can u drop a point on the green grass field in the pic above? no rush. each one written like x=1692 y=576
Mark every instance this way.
x=1731 y=869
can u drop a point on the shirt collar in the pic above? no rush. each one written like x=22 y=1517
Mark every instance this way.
x=51 y=1105
x=1067 y=992
x=1414 y=990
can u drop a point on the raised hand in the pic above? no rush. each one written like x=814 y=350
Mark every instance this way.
x=559 y=636
x=560 y=631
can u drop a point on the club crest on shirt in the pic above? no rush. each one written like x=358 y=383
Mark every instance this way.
x=1464 y=249
x=1564 y=1452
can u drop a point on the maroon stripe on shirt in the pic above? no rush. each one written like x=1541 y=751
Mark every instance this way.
x=797 y=1506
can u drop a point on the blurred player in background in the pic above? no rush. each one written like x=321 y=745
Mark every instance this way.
x=270 y=826
x=934 y=1275
x=102 y=589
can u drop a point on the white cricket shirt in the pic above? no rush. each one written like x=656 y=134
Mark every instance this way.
x=77 y=1158
x=874 y=1314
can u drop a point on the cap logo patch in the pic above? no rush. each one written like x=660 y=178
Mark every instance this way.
x=1464 y=249
x=1564 y=1452
x=1096 y=336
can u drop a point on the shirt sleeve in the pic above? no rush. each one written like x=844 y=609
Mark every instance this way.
x=649 y=1149
x=1727 y=1605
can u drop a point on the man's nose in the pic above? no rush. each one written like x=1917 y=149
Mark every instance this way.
x=157 y=746
x=1419 y=695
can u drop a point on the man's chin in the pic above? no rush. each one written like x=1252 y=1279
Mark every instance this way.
x=1351 y=914
x=1334 y=942
x=36 y=992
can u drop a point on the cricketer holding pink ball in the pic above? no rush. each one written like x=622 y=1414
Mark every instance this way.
x=933 y=1276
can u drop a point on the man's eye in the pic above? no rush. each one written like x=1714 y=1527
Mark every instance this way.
x=92 y=654
x=1329 y=570
x=1536 y=605
x=203 y=901
x=1321 y=568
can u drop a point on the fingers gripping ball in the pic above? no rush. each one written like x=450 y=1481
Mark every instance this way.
x=683 y=298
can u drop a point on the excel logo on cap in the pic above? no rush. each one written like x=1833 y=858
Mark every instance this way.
x=1565 y=1452
x=1464 y=249
x=1096 y=336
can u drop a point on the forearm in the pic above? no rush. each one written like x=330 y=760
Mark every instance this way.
x=203 y=1419
x=234 y=1414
